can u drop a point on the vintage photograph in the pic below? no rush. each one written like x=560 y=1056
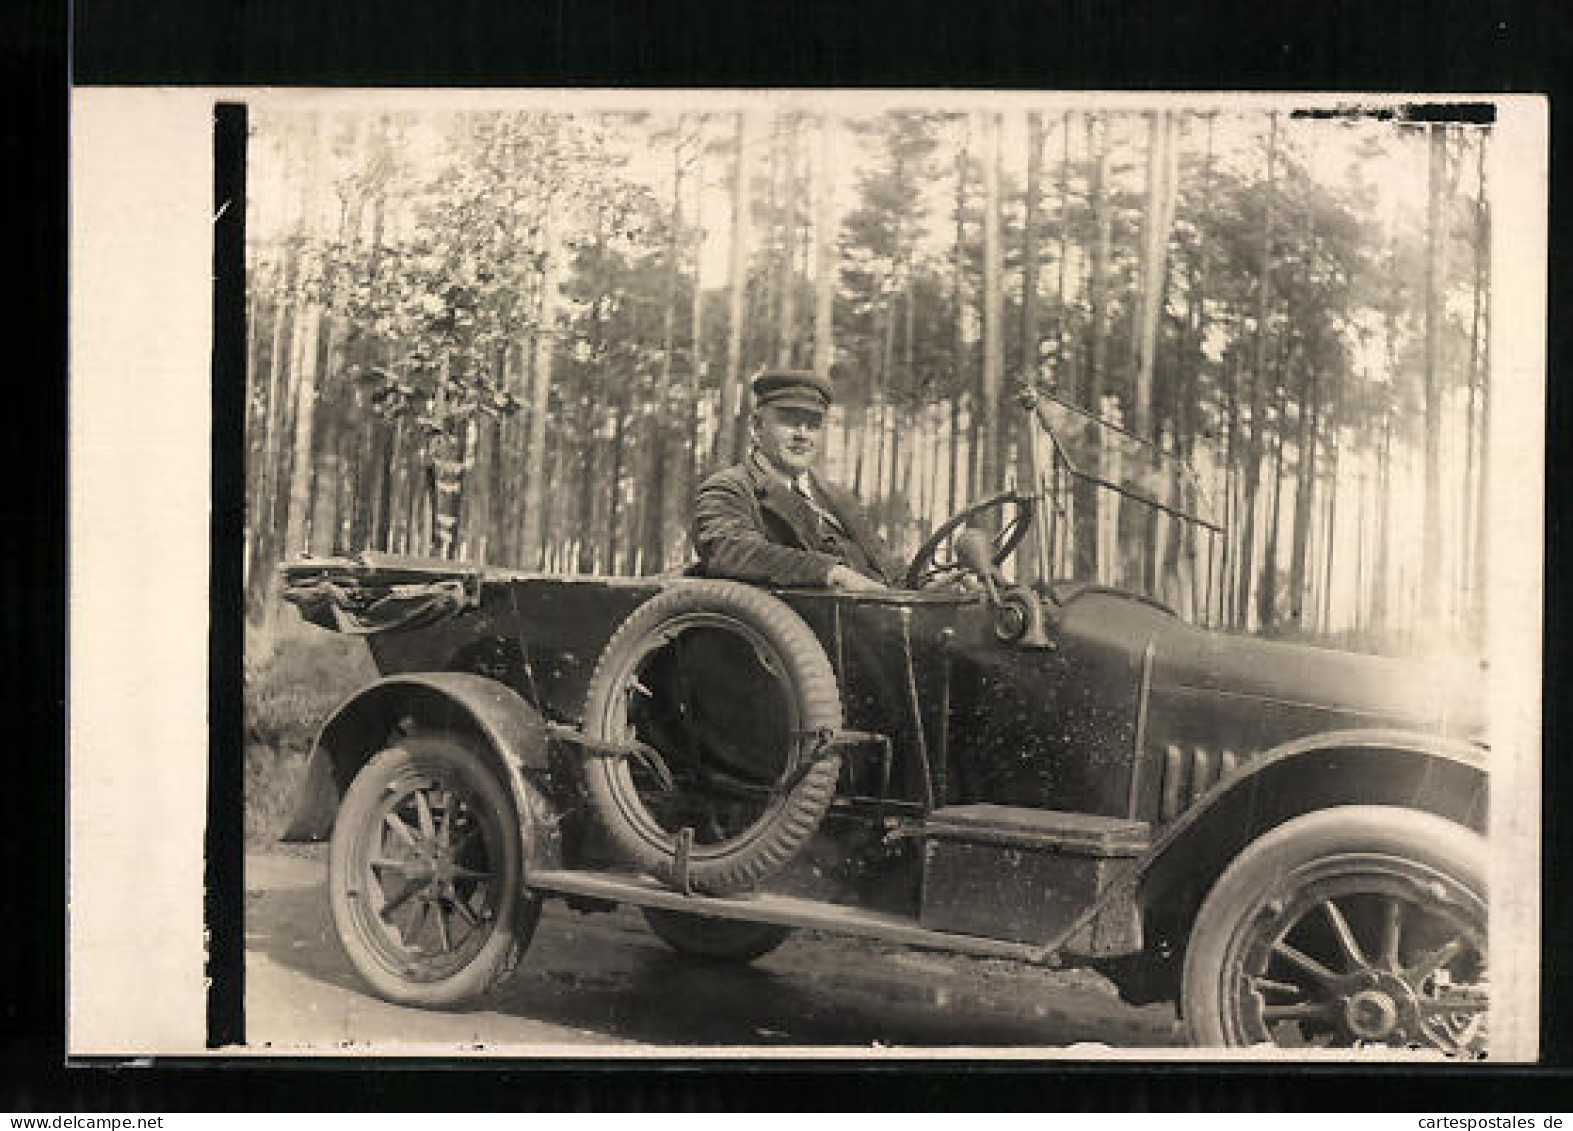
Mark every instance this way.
x=875 y=574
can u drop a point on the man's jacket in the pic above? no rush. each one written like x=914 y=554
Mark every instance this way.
x=752 y=526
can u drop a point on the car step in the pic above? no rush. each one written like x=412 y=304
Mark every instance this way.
x=1049 y=830
x=786 y=910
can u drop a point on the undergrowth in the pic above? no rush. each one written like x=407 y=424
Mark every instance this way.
x=295 y=675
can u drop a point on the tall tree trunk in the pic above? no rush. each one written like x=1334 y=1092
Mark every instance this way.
x=824 y=254
x=1304 y=489
x=1231 y=409
x=327 y=468
x=886 y=389
x=1097 y=296
x=959 y=280
x=857 y=428
x=614 y=485
x=1030 y=333
x=1062 y=373
x=444 y=472
x=1482 y=528
x=387 y=453
x=295 y=470
x=391 y=537
x=1090 y=505
x=284 y=318
x=993 y=317
x=1325 y=621
x=1254 y=447
x=1027 y=558
x=300 y=167
x=786 y=348
x=475 y=543
x=304 y=397
x=1267 y=594
x=728 y=445
x=1464 y=578
x=934 y=431
x=1178 y=576
x=1267 y=582
x=1362 y=584
x=885 y=383
x=696 y=369
x=555 y=534
x=502 y=543
x=763 y=325
x=952 y=472
x=593 y=492
x=1384 y=526
x=1300 y=578
x=262 y=490
x=657 y=503
x=1188 y=412
x=1156 y=222
x=533 y=541
x=901 y=410
x=591 y=489
x=1431 y=533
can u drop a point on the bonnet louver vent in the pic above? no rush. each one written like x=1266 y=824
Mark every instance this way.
x=1189 y=772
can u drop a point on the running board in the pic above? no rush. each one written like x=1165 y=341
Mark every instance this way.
x=785 y=910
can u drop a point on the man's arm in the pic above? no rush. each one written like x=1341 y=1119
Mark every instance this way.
x=731 y=543
x=894 y=569
x=861 y=527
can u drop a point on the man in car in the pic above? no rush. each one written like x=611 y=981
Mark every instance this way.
x=771 y=519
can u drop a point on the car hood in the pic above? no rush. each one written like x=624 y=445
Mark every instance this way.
x=1351 y=689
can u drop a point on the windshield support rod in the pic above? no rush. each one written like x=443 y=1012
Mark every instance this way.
x=1136 y=496
x=1044 y=535
x=916 y=710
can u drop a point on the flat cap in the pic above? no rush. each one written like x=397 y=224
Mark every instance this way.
x=792 y=388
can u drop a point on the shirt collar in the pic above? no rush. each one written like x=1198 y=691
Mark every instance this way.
x=766 y=474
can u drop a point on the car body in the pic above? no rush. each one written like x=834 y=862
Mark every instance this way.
x=1061 y=773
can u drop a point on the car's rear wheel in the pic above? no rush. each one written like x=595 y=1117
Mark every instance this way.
x=424 y=874
x=720 y=940
x=721 y=693
x=1359 y=925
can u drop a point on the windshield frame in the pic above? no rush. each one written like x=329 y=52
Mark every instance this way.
x=1059 y=477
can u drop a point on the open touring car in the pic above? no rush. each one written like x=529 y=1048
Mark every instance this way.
x=1285 y=841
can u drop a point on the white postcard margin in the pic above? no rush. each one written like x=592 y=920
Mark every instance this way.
x=139 y=501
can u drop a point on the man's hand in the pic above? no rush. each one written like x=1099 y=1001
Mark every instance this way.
x=843 y=577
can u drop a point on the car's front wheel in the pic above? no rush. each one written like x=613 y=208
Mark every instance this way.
x=1359 y=925
x=424 y=874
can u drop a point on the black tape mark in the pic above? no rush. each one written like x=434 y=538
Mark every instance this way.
x=223 y=882
x=1412 y=113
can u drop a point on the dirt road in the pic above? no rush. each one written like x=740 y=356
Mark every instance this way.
x=605 y=984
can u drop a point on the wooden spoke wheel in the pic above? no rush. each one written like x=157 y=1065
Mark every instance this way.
x=424 y=876
x=1355 y=926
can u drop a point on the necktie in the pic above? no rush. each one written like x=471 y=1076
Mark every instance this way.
x=800 y=485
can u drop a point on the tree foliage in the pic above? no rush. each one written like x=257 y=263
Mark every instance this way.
x=416 y=365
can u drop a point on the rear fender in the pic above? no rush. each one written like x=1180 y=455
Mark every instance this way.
x=1359 y=767
x=507 y=731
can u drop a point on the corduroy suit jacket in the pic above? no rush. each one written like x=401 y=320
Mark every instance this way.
x=752 y=526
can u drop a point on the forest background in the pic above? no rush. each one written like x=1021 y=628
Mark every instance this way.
x=521 y=337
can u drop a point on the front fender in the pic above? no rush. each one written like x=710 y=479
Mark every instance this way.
x=509 y=731
x=1356 y=767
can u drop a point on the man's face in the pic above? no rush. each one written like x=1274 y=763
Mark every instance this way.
x=789 y=437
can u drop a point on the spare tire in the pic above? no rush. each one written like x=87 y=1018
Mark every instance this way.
x=728 y=686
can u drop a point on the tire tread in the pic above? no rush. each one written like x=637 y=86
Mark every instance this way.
x=819 y=701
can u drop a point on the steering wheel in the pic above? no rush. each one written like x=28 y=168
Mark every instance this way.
x=937 y=557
